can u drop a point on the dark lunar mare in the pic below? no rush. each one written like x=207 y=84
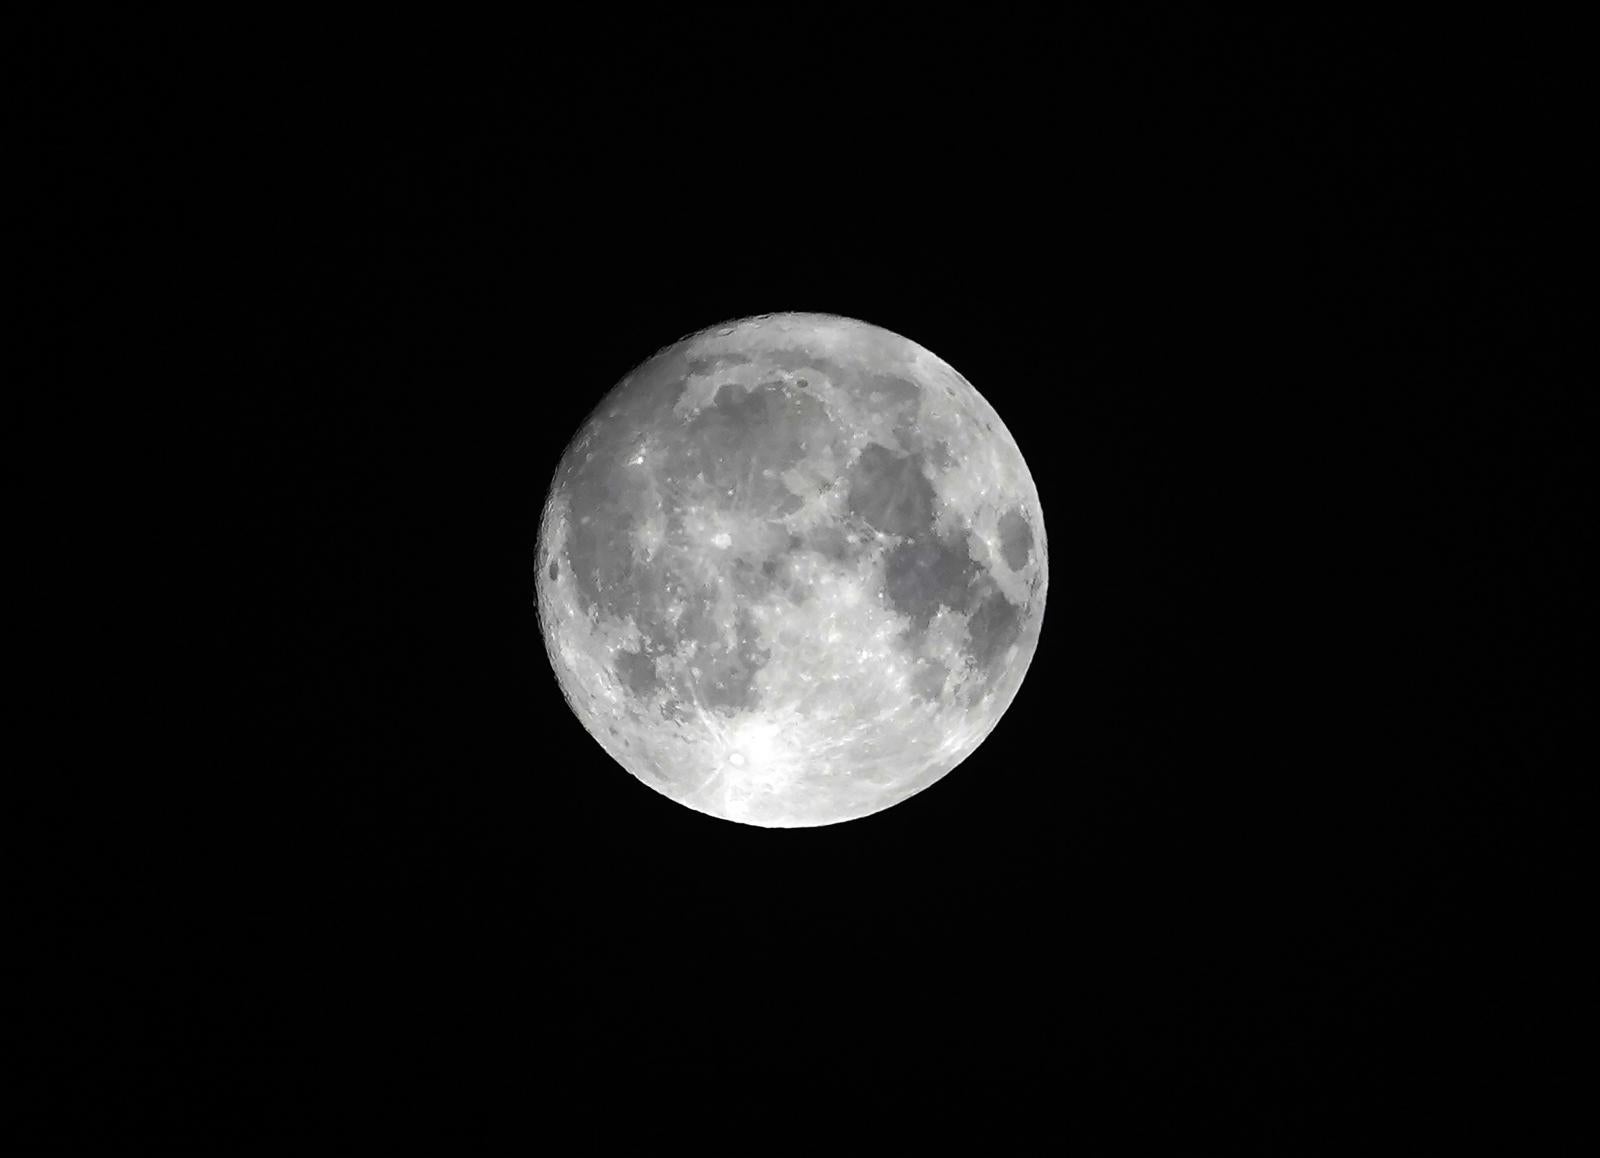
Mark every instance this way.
x=994 y=623
x=730 y=455
x=891 y=492
x=1016 y=539
x=923 y=575
x=925 y=570
x=637 y=671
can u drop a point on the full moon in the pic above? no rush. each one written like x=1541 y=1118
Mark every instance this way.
x=791 y=570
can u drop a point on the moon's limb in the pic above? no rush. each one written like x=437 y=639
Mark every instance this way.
x=792 y=570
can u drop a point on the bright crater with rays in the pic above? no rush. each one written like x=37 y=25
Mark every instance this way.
x=792 y=570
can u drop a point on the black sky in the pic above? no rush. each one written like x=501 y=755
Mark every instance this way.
x=1265 y=857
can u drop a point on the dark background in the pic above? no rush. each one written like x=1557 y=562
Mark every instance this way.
x=1266 y=857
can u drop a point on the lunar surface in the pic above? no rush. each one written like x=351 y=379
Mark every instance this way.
x=792 y=570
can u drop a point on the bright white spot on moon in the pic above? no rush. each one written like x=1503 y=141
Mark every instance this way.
x=822 y=591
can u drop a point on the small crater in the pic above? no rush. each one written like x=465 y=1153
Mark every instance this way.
x=555 y=570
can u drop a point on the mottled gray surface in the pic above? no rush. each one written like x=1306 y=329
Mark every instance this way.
x=791 y=570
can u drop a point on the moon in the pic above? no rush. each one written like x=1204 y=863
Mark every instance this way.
x=791 y=570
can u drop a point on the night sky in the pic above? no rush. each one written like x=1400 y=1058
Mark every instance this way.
x=1270 y=854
